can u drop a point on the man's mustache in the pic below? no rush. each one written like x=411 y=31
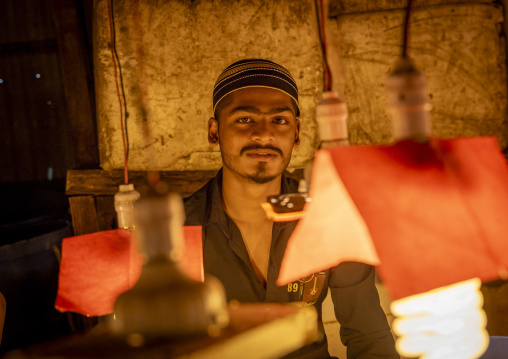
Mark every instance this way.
x=259 y=147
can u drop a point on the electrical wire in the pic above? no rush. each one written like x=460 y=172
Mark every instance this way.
x=111 y=30
x=126 y=113
x=327 y=76
x=405 y=36
x=153 y=176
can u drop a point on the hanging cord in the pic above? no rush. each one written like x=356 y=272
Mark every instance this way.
x=126 y=113
x=405 y=35
x=153 y=176
x=113 y=50
x=327 y=80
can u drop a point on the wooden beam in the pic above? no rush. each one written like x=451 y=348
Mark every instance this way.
x=75 y=70
x=105 y=183
x=84 y=215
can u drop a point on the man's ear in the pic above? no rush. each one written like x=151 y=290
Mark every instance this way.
x=213 y=131
x=297 y=133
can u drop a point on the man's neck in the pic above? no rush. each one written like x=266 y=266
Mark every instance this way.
x=242 y=198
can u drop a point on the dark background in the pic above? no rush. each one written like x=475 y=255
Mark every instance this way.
x=47 y=126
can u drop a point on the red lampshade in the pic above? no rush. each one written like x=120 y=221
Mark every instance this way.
x=436 y=212
x=96 y=268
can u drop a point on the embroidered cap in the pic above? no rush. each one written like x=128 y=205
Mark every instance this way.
x=254 y=73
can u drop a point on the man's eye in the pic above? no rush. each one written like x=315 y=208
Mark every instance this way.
x=280 y=121
x=244 y=120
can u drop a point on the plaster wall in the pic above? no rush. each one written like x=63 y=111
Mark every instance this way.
x=171 y=53
x=460 y=48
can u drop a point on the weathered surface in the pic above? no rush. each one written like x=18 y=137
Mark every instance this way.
x=460 y=50
x=186 y=45
x=341 y=7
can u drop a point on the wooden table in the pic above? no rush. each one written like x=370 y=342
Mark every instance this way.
x=256 y=331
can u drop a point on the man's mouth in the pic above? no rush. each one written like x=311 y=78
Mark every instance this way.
x=260 y=153
x=263 y=152
x=261 y=156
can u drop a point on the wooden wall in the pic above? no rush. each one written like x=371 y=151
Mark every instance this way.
x=35 y=126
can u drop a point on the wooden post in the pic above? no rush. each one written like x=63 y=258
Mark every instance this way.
x=84 y=215
x=76 y=69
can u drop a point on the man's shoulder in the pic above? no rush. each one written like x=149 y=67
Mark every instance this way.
x=289 y=184
x=196 y=205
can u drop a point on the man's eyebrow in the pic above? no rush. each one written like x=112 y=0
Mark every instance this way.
x=257 y=111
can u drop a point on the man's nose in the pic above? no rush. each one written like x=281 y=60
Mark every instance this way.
x=263 y=132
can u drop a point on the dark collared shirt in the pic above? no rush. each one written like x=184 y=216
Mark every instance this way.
x=364 y=328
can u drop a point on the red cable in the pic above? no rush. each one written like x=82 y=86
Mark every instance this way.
x=323 y=36
x=125 y=171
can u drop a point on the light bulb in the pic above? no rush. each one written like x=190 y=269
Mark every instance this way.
x=166 y=302
x=124 y=206
x=331 y=117
x=447 y=322
x=408 y=102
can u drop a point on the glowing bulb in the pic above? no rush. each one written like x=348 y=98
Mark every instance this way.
x=38 y=76
x=448 y=322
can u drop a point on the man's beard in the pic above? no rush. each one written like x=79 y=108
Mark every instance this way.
x=261 y=175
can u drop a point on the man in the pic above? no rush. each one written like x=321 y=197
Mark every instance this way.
x=256 y=125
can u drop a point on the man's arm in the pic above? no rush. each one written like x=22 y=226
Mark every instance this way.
x=364 y=328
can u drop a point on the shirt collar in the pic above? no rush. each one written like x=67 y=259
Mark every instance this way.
x=215 y=210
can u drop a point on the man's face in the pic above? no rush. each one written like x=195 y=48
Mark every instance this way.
x=257 y=130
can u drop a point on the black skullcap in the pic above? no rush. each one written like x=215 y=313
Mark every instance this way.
x=254 y=73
